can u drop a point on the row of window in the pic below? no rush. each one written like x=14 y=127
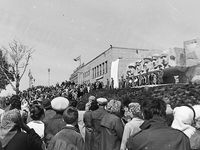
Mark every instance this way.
x=86 y=74
x=100 y=70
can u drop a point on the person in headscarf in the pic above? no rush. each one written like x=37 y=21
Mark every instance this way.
x=11 y=135
x=112 y=127
x=132 y=127
x=92 y=120
x=184 y=117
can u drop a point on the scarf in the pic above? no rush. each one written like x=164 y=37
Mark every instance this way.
x=8 y=122
x=113 y=106
x=183 y=118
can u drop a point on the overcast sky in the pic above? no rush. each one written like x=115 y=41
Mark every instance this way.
x=60 y=30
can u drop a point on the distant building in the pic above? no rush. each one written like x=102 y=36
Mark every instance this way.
x=116 y=62
x=101 y=69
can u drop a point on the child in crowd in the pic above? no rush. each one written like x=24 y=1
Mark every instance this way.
x=68 y=137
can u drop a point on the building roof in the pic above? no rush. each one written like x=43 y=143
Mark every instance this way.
x=111 y=47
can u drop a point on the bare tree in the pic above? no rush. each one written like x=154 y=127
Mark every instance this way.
x=18 y=56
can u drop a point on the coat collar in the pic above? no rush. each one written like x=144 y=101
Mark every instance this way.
x=155 y=122
x=71 y=128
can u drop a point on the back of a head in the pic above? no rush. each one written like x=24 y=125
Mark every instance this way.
x=94 y=106
x=15 y=102
x=70 y=115
x=153 y=107
x=114 y=107
x=59 y=104
x=184 y=117
x=36 y=112
x=135 y=110
x=46 y=104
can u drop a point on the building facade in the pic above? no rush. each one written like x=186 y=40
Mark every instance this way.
x=116 y=62
x=99 y=68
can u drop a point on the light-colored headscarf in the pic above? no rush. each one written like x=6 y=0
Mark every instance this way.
x=183 y=118
x=134 y=109
x=8 y=121
x=113 y=106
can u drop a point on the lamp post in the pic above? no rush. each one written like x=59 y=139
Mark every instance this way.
x=49 y=71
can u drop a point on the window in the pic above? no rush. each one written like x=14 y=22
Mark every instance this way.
x=103 y=68
x=97 y=71
x=100 y=70
x=93 y=73
x=106 y=67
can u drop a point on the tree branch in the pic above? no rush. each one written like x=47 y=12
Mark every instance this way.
x=27 y=60
x=7 y=78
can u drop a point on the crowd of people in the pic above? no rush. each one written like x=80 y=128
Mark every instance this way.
x=52 y=118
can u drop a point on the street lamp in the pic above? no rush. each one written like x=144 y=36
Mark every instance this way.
x=49 y=71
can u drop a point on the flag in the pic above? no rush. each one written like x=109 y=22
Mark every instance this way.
x=78 y=58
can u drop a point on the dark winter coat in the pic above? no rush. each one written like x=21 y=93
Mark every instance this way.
x=195 y=140
x=92 y=120
x=53 y=126
x=157 y=135
x=67 y=139
x=112 y=132
x=24 y=141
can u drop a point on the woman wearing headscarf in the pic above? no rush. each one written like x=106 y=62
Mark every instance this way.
x=11 y=135
x=112 y=127
x=184 y=117
x=132 y=127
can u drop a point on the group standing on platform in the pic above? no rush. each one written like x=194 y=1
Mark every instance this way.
x=149 y=70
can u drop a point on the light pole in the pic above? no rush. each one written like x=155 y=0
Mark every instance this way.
x=49 y=71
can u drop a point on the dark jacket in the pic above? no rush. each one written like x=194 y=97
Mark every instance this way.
x=67 y=139
x=53 y=126
x=195 y=140
x=24 y=141
x=49 y=114
x=1 y=146
x=92 y=120
x=157 y=135
x=88 y=130
x=112 y=131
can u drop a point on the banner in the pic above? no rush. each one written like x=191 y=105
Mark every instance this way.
x=114 y=73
